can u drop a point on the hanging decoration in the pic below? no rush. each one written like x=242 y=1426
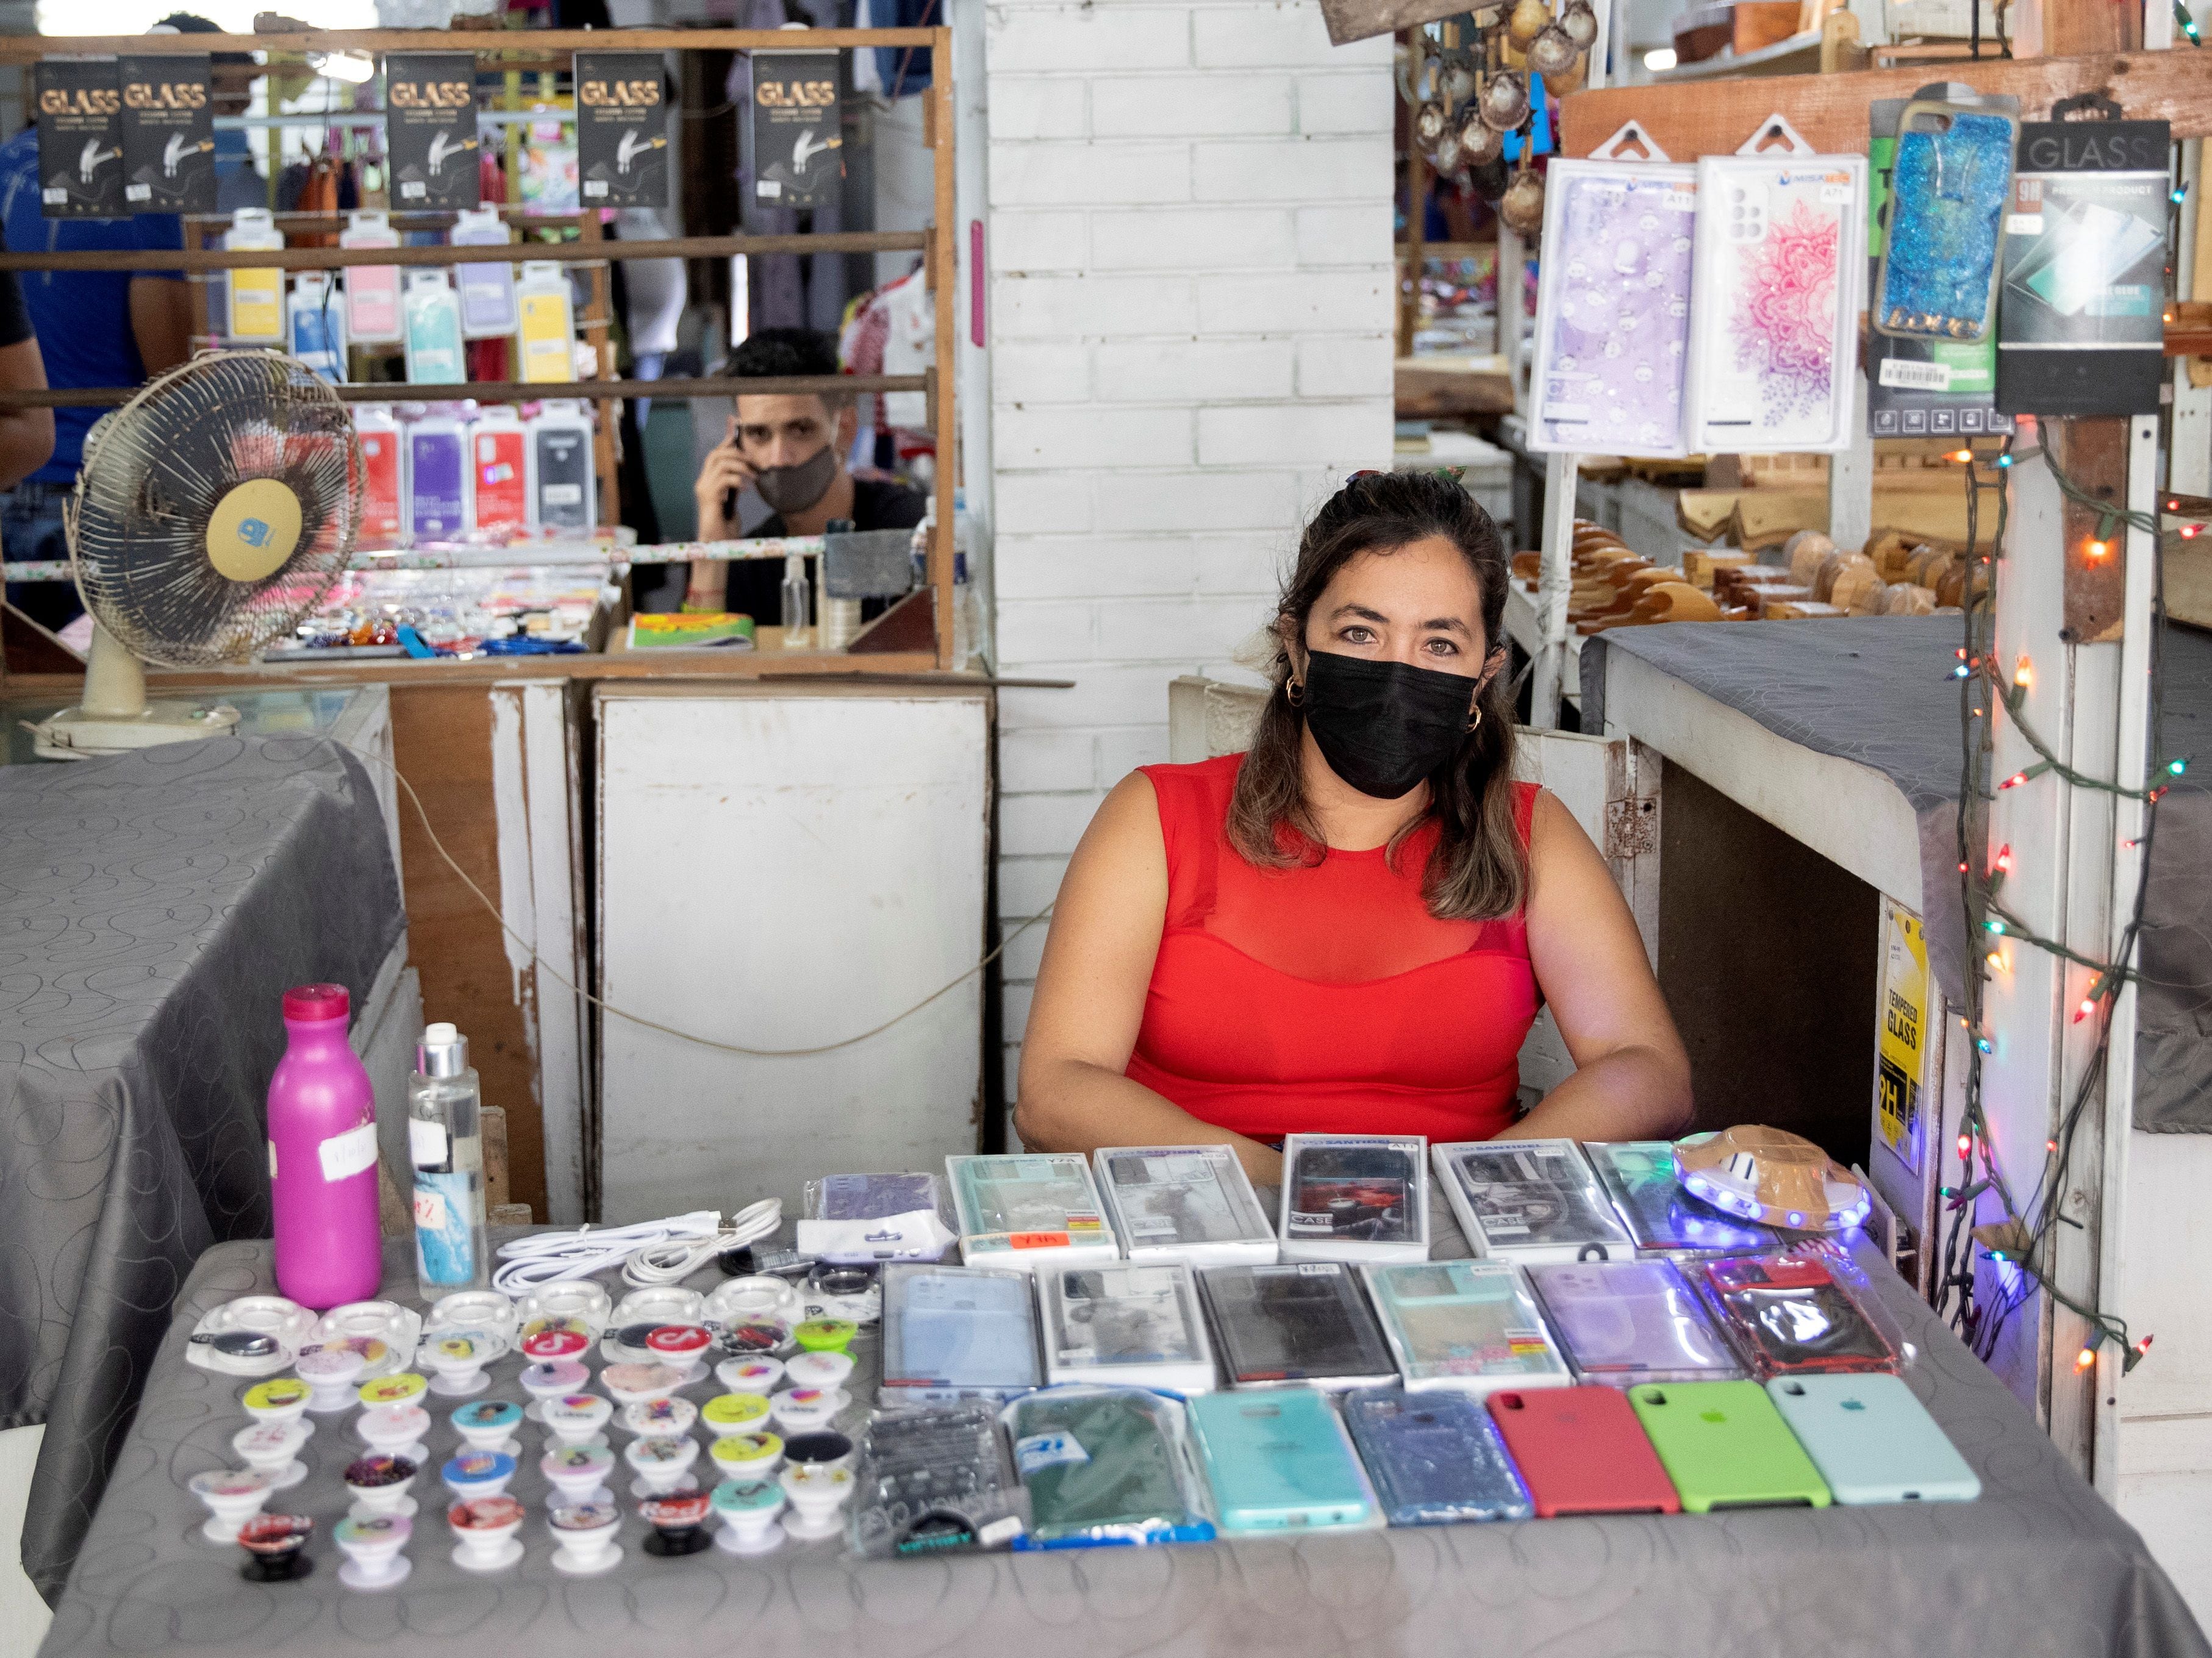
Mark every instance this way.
x=1473 y=84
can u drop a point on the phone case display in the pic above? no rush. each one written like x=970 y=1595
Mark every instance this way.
x=382 y=523
x=1787 y=1315
x=257 y=296
x=486 y=291
x=935 y=1482
x=1779 y=281
x=1581 y=1450
x=546 y=325
x=1663 y=1217
x=1106 y=1465
x=1465 y=1324
x=1355 y=1197
x=1621 y=1322
x=438 y=479
x=1951 y=182
x=1187 y=1203
x=1435 y=1458
x=952 y=1333
x=1725 y=1446
x=1029 y=1210
x=1133 y=1324
x=860 y=1220
x=555 y=607
x=499 y=458
x=1530 y=1201
x=1280 y=1461
x=316 y=323
x=1873 y=1441
x=563 y=489
x=1307 y=1321
x=433 y=315
x=371 y=291
x=1613 y=307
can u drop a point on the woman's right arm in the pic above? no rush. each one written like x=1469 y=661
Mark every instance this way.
x=1090 y=998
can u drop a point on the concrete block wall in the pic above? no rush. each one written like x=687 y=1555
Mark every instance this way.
x=1190 y=320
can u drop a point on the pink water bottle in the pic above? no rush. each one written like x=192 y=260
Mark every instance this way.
x=322 y=1157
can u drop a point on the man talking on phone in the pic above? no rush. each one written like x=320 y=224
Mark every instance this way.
x=792 y=449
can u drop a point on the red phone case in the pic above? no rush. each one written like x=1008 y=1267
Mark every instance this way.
x=1581 y=1450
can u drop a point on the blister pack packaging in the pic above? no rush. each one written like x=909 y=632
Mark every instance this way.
x=1787 y=1315
x=1029 y=1210
x=859 y=1219
x=1663 y=1218
x=1465 y=1324
x=1133 y=1324
x=1297 y=1322
x=1281 y=1461
x=1621 y=1322
x=957 y=1333
x=1106 y=1466
x=1435 y=1458
x=1187 y=1203
x=1530 y=1201
x=936 y=1481
x=253 y=1335
x=1355 y=1197
x=1945 y=239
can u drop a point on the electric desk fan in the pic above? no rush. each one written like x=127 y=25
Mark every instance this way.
x=213 y=511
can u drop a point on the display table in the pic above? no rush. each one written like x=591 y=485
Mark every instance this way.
x=154 y=909
x=2040 y=1565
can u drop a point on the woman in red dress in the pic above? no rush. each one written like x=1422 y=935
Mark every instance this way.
x=1350 y=928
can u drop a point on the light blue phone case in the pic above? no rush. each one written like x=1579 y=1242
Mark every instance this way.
x=1279 y=1462
x=1872 y=1441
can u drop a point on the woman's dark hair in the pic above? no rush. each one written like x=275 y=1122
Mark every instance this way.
x=1479 y=868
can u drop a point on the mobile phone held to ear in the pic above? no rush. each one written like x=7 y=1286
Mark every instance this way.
x=1725 y=1446
x=1580 y=1450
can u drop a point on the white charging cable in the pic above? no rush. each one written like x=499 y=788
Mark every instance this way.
x=649 y=1252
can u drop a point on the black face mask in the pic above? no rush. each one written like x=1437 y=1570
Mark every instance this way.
x=1384 y=727
x=795 y=489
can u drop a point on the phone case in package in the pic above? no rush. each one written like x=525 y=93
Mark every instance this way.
x=1943 y=246
x=1187 y=1203
x=1125 y=1323
x=1612 y=308
x=957 y=1333
x=1106 y=1466
x=1465 y=1324
x=935 y=1482
x=1661 y=1217
x=858 y=1219
x=1302 y=1321
x=1530 y=1201
x=1435 y=1458
x=1621 y=1322
x=1355 y=1197
x=1280 y=1462
x=1788 y=1316
x=1029 y=1210
x=1781 y=274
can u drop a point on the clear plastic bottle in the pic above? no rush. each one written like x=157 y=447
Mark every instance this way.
x=445 y=1143
x=798 y=602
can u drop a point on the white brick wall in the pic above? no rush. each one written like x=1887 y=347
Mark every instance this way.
x=1190 y=317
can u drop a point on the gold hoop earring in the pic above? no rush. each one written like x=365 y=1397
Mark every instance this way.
x=1294 y=693
x=1476 y=724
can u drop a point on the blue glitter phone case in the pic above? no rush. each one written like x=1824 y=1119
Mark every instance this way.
x=1939 y=261
x=1435 y=1458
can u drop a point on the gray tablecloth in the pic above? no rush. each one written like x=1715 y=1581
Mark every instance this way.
x=2040 y=1565
x=1879 y=690
x=153 y=909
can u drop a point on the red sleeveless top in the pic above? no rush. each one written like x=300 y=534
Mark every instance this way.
x=1326 y=999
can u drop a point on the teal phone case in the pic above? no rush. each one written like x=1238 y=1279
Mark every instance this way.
x=1725 y=1446
x=1279 y=1461
x=1872 y=1440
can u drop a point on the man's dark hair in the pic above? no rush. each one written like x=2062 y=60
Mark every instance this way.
x=188 y=22
x=777 y=353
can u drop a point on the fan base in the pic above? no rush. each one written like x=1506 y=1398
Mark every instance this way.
x=73 y=734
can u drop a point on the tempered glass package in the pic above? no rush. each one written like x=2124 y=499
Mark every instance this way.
x=957 y=1333
x=1105 y=1466
x=936 y=1481
x=1305 y=1321
x=1465 y=1324
x=1187 y=1203
x=1028 y=1210
x=1530 y=1201
x=1787 y=1315
x=1123 y=1323
x=1613 y=307
x=1639 y=1176
x=1280 y=1461
x=1435 y=1458
x=1355 y=1197
x=1621 y=1322
x=1948 y=190
x=857 y=1219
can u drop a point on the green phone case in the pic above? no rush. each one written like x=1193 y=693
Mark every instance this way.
x=1725 y=1446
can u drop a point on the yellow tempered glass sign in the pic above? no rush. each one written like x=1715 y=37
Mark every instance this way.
x=1901 y=1044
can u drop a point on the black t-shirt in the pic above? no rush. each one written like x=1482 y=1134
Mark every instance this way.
x=14 y=321
x=757 y=584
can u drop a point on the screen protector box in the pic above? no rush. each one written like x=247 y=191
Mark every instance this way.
x=168 y=135
x=80 y=139
x=430 y=128
x=2081 y=326
x=622 y=128
x=798 y=141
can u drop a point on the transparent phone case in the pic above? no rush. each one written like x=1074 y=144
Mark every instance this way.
x=1465 y=1324
x=1017 y=1210
x=1787 y=1315
x=935 y=1481
x=1130 y=1323
x=1105 y=1466
x=955 y=1333
x=1621 y=1322
x=1189 y=1203
x=1296 y=1323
